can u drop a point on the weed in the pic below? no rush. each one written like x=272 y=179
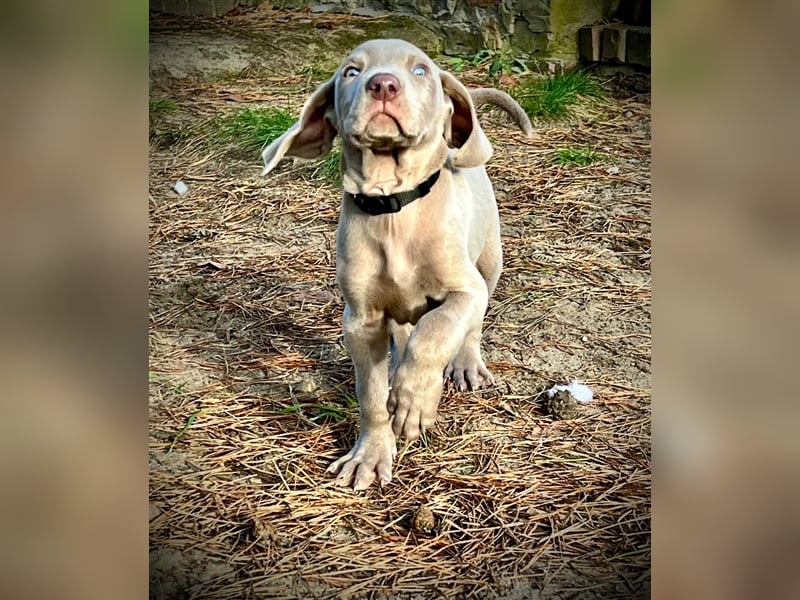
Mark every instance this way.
x=500 y=62
x=250 y=129
x=556 y=97
x=577 y=156
x=457 y=63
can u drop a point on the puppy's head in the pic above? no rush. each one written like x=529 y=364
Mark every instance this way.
x=391 y=104
x=389 y=96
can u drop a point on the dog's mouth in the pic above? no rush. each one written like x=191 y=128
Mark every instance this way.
x=382 y=131
x=383 y=125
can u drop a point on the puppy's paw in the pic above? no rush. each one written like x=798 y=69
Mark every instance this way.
x=468 y=371
x=369 y=459
x=413 y=401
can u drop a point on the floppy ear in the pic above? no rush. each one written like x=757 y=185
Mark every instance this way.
x=465 y=132
x=312 y=135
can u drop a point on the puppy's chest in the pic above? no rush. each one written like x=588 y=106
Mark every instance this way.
x=406 y=287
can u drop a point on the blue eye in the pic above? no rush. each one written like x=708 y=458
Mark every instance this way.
x=420 y=70
x=351 y=72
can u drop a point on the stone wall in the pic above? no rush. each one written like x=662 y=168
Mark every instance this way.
x=546 y=29
x=536 y=28
x=208 y=8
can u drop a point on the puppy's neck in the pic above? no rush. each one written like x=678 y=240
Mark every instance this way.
x=390 y=172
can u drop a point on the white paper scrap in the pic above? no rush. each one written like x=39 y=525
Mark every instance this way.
x=180 y=188
x=581 y=393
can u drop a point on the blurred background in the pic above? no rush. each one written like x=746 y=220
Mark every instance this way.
x=74 y=345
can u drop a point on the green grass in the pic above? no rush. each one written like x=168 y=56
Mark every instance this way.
x=250 y=129
x=556 y=97
x=326 y=412
x=329 y=169
x=162 y=132
x=189 y=422
x=578 y=156
x=160 y=107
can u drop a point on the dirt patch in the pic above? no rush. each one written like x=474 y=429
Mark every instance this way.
x=268 y=43
x=251 y=387
x=199 y=54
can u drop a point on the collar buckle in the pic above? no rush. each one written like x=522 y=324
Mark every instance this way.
x=392 y=203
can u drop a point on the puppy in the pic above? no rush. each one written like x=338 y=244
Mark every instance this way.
x=418 y=243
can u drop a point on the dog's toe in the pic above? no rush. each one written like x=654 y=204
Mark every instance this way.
x=468 y=371
x=371 y=458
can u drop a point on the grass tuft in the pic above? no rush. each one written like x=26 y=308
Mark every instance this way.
x=251 y=129
x=160 y=107
x=163 y=132
x=556 y=97
x=578 y=156
x=329 y=169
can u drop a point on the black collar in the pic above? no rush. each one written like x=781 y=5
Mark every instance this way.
x=381 y=205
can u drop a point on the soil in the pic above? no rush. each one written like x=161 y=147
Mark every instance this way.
x=251 y=387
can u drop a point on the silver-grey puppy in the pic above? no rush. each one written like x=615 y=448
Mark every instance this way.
x=418 y=244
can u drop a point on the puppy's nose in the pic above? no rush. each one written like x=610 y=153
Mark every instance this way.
x=383 y=86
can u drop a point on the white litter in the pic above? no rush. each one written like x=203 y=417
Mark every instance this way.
x=581 y=393
x=180 y=188
x=613 y=170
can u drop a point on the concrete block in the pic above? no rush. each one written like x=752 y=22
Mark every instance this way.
x=614 y=44
x=638 y=49
x=590 y=43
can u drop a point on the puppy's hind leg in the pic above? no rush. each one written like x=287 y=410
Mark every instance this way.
x=399 y=335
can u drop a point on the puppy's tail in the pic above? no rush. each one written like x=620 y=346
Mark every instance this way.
x=481 y=96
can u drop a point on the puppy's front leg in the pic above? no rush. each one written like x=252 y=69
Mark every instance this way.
x=417 y=383
x=367 y=341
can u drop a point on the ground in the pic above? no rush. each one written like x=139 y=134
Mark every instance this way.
x=252 y=390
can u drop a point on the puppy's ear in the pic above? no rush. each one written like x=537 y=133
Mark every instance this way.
x=312 y=135
x=465 y=132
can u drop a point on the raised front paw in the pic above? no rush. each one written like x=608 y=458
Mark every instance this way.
x=413 y=401
x=371 y=457
x=468 y=371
